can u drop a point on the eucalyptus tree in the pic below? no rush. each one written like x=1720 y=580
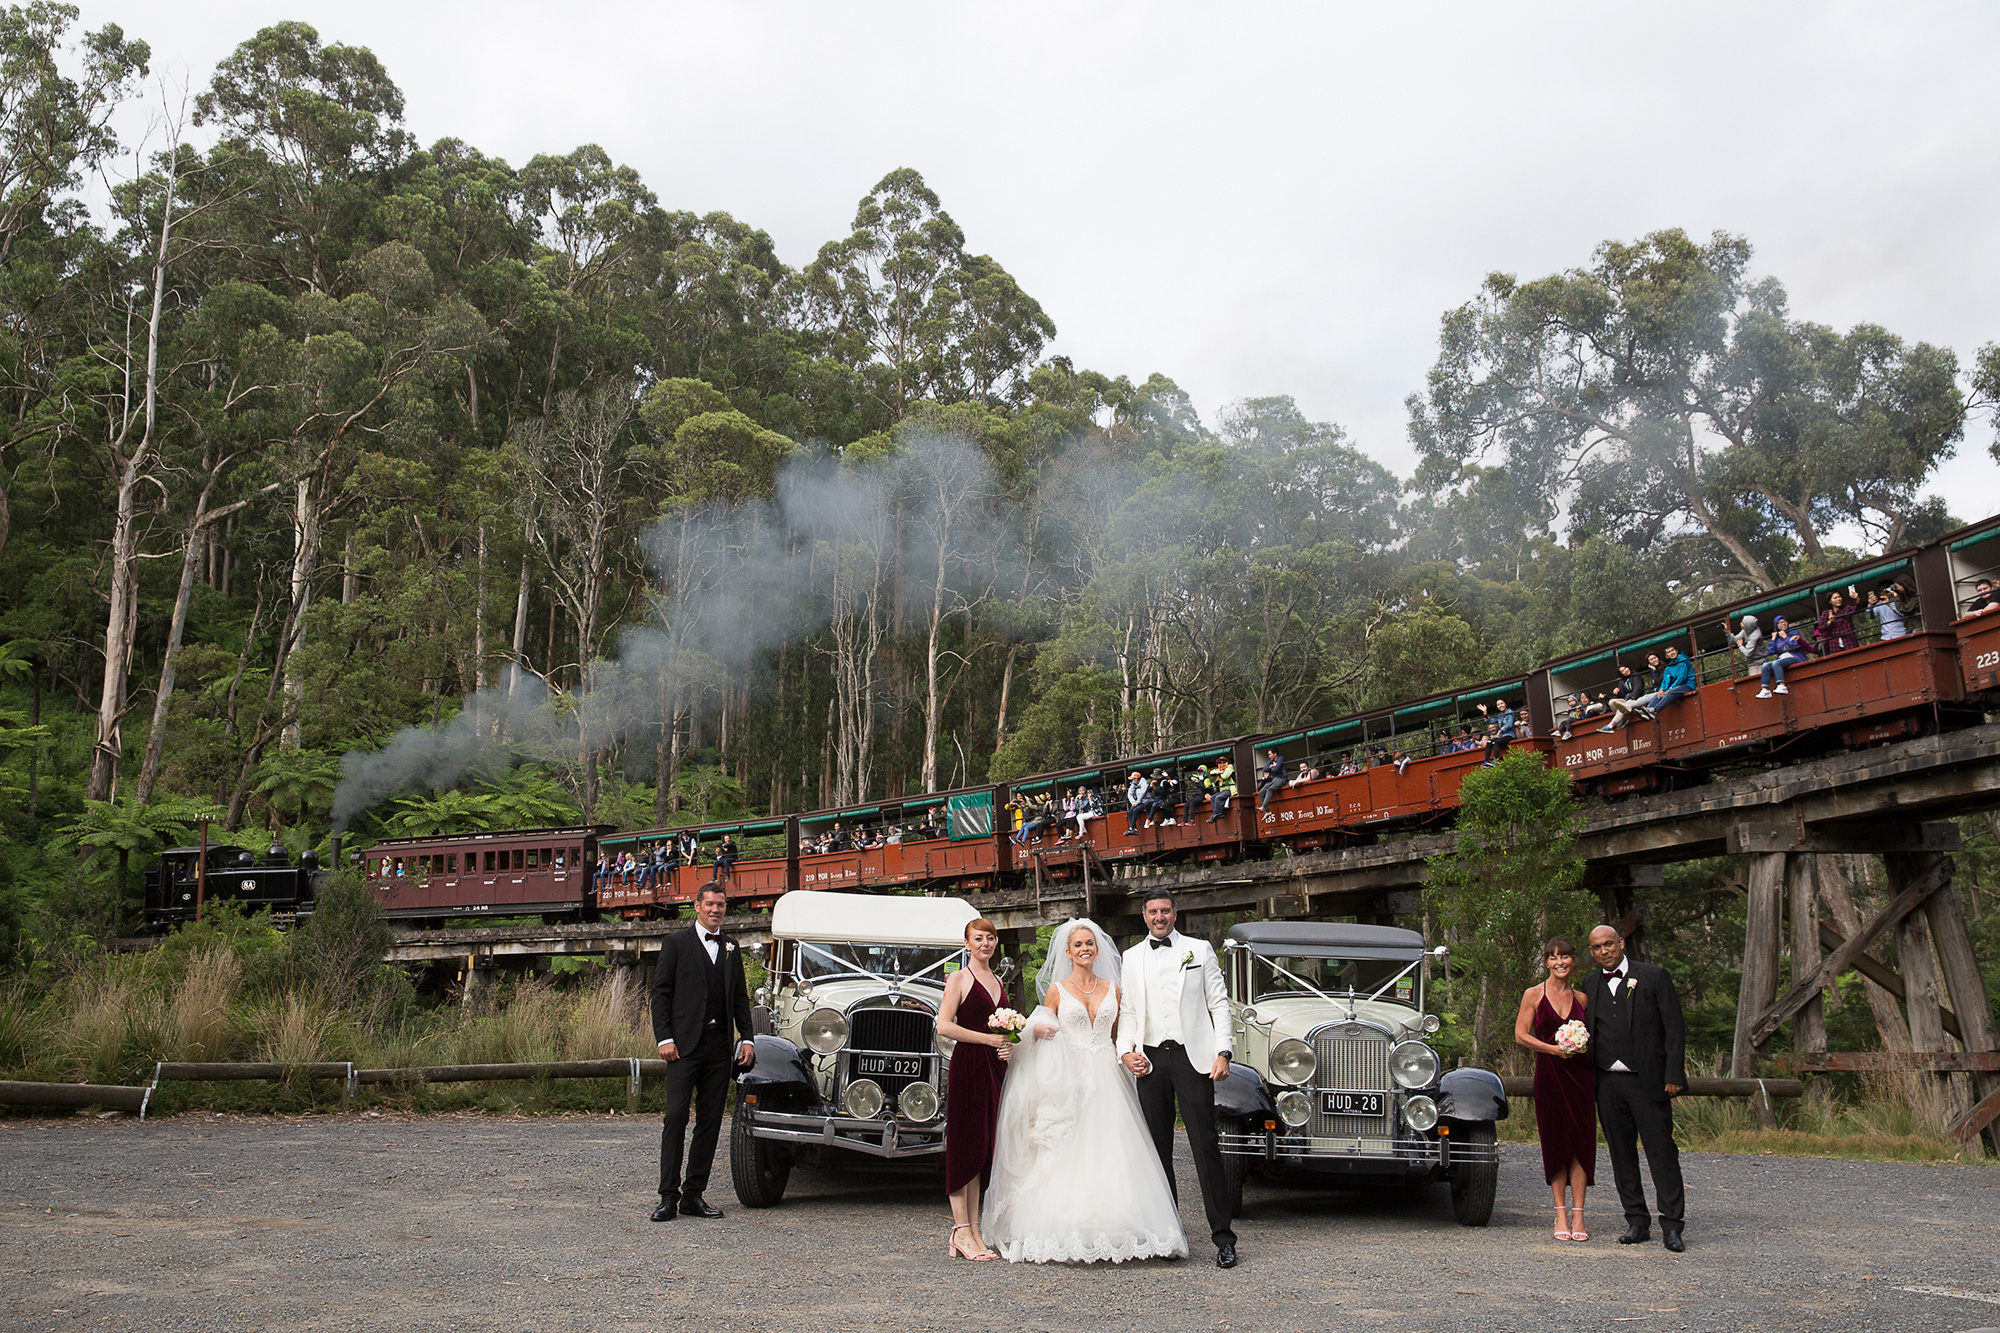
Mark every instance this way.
x=54 y=129
x=1664 y=380
x=900 y=298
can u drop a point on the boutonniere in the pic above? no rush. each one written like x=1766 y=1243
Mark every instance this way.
x=1187 y=959
x=730 y=946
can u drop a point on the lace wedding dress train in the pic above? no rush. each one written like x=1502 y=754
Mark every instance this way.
x=1076 y=1178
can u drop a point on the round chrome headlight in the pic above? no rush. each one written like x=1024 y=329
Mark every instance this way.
x=1294 y=1108
x=1432 y=1023
x=864 y=1099
x=825 y=1030
x=1420 y=1113
x=919 y=1101
x=1414 y=1065
x=1292 y=1061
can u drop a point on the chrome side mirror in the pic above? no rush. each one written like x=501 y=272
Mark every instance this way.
x=1440 y=952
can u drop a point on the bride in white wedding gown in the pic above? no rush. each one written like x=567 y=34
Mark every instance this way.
x=1076 y=1177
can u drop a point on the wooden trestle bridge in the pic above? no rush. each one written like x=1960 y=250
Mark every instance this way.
x=1786 y=821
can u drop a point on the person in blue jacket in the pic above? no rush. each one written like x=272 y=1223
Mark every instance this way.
x=1676 y=682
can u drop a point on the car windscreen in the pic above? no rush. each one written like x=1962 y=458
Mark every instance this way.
x=1336 y=976
x=832 y=958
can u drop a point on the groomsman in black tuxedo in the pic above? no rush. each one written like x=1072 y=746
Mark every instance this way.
x=698 y=991
x=1638 y=1042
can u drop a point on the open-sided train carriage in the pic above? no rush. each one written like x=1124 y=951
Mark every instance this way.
x=1398 y=767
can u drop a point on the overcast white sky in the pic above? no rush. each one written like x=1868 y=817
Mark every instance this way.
x=1258 y=199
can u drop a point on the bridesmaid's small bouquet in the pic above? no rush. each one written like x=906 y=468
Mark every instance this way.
x=1573 y=1038
x=1008 y=1023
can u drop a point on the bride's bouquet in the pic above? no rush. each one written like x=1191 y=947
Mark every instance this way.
x=1572 y=1038
x=1008 y=1023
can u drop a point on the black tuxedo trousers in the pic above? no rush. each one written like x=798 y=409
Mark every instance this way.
x=699 y=1079
x=1175 y=1079
x=1630 y=1115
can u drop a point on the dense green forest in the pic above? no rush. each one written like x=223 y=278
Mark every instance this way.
x=348 y=479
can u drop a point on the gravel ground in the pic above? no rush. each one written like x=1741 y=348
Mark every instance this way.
x=457 y=1222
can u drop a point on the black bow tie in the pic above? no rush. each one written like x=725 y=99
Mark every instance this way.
x=1159 y=943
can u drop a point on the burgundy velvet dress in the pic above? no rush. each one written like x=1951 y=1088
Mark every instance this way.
x=972 y=1098
x=1565 y=1099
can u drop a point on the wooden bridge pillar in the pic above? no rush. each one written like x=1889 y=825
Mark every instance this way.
x=1761 y=923
x=1809 y=1026
x=1946 y=917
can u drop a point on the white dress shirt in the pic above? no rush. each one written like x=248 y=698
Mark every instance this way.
x=1613 y=979
x=1163 y=1015
x=708 y=942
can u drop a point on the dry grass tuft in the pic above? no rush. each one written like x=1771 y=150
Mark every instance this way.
x=197 y=1025
x=107 y=1025
x=298 y=1030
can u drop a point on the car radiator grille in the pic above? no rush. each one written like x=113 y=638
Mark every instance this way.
x=902 y=1031
x=1358 y=1063
x=893 y=1030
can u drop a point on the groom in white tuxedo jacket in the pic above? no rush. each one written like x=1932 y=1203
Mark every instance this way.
x=1173 y=1033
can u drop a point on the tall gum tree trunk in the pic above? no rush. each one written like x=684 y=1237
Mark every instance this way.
x=131 y=470
x=306 y=537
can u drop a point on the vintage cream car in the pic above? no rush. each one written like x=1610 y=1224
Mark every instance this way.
x=1331 y=1019
x=848 y=1055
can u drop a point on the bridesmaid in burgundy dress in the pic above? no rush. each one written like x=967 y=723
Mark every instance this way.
x=972 y=1094
x=1565 y=1088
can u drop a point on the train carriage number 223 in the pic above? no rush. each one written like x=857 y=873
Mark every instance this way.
x=1986 y=660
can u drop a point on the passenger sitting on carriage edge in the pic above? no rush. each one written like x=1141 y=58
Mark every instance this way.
x=1502 y=734
x=1676 y=682
x=1273 y=775
x=1786 y=649
x=1136 y=789
x=1194 y=793
x=1629 y=686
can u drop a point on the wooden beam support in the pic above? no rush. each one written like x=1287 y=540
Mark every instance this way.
x=1960 y=964
x=1981 y=1117
x=1879 y=973
x=1877 y=1062
x=1760 y=961
x=1905 y=902
x=1923 y=983
x=1809 y=1027
x=1866 y=839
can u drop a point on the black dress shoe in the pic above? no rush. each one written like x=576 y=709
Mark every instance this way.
x=1670 y=1236
x=699 y=1207
x=665 y=1212
x=1225 y=1256
x=1636 y=1234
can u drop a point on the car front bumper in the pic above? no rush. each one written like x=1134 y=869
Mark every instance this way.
x=877 y=1138
x=1418 y=1157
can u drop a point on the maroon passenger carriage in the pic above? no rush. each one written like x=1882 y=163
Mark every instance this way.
x=524 y=872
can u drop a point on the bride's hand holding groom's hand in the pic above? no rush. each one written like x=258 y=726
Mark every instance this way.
x=1136 y=1062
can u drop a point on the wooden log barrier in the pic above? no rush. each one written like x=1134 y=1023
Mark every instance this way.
x=500 y=1073
x=229 y=1071
x=1697 y=1087
x=111 y=1096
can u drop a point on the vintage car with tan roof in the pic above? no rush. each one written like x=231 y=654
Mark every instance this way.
x=848 y=1056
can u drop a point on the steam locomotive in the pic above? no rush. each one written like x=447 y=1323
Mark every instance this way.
x=1941 y=675
x=177 y=887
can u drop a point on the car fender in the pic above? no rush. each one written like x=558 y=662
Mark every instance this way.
x=778 y=1063
x=1242 y=1094
x=1471 y=1094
